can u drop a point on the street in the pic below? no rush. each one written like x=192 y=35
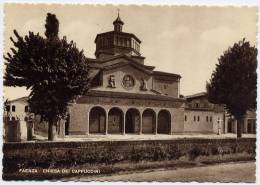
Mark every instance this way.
x=231 y=172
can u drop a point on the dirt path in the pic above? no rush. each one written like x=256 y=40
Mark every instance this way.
x=231 y=172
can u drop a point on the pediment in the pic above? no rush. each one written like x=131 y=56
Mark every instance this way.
x=125 y=61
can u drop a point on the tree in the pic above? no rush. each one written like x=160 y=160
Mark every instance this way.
x=51 y=26
x=233 y=82
x=54 y=70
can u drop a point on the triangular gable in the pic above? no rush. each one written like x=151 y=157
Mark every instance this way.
x=123 y=61
x=122 y=64
x=22 y=99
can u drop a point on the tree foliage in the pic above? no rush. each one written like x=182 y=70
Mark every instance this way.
x=53 y=69
x=51 y=26
x=233 y=82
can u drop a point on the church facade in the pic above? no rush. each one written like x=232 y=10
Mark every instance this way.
x=126 y=95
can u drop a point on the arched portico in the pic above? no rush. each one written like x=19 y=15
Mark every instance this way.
x=115 y=121
x=132 y=121
x=97 y=120
x=164 y=122
x=148 y=121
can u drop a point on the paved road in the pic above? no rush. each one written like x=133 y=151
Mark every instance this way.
x=231 y=172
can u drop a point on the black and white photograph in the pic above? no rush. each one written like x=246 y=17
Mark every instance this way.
x=129 y=93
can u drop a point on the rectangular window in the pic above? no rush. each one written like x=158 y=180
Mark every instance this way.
x=194 y=118
x=198 y=118
x=185 y=118
x=207 y=118
x=8 y=108
x=13 y=108
x=26 y=109
x=210 y=119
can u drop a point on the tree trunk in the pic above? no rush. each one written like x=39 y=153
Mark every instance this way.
x=51 y=130
x=240 y=124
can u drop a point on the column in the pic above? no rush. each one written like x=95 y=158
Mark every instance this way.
x=141 y=124
x=235 y=126
x=156 y=123
x=245 y=125
x=124 y=123
x=106 y=123
x=87 y=132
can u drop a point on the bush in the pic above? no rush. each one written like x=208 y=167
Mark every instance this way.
x=194 y=153
x=45 y=155
x=160 y=153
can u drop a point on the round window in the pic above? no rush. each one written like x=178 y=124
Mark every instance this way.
x=128 y=81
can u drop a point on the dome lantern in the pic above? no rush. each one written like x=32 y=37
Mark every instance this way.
x=118 y=23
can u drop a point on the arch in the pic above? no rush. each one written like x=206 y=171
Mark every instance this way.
x=249 y=127
x=148 y=124
x=230 y=126
x=164 y=122
x=115 y=120
x=132 y=121
x=97 y=120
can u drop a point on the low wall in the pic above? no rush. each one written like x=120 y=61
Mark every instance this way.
x=68 y=154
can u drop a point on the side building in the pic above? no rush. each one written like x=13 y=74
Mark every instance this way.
x=249 y=126
x=16 y=114
x=203 y=117
x=19 y=121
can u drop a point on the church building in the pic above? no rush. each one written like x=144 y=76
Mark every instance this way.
x=126 y=95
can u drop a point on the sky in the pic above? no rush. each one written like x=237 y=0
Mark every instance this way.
x=187 y=40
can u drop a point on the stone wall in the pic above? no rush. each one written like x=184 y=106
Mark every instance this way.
x=67 y=154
